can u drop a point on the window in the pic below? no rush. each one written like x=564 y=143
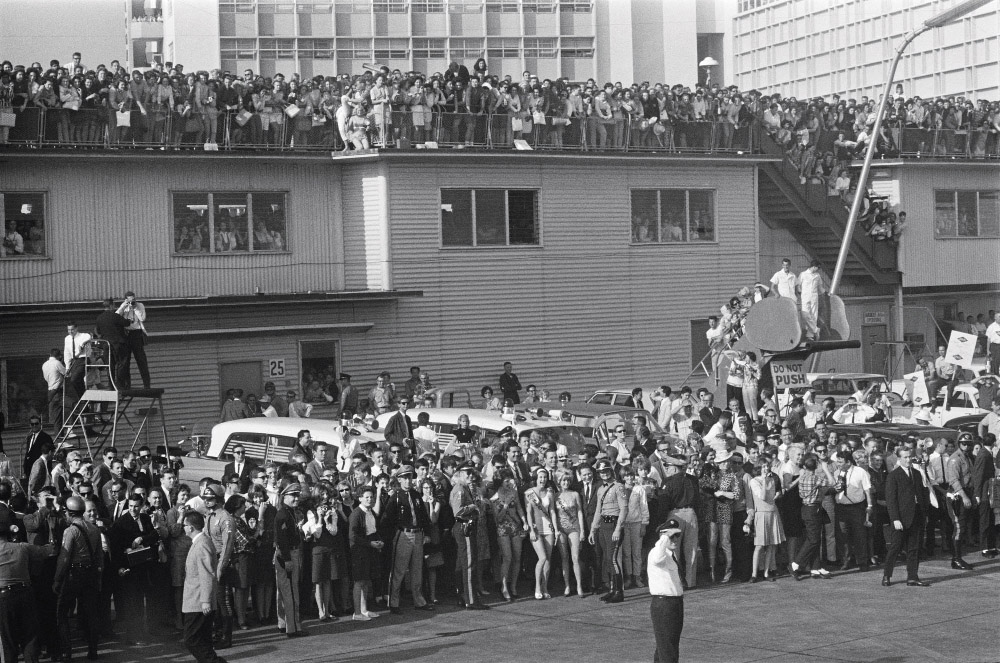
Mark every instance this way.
x=390 y=6
x=392 y=49
x=354 y=49
x=502 y=6
x=576 y=6
x=312 y=7
x=489 y=217
x=316 y=49
x=427 y=6
x=577 y=47
x=540 y=7
x=23 y=223
x=319 y=371
x=353 y=7
x=229 y=222
x=672 y=215
x=428 y=48
x=465 y=6
x=26 y=394
x=238 y=49
x=237 y=7
x=503 y=47
x=539 y=47
x=463 y=48
x=966 y=214
x=277 y=49
x=275 y=8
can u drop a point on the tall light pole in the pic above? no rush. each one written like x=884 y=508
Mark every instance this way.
x=945 y=17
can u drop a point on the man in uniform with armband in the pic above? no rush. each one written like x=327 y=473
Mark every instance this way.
x=606 y=529
x=463 y=505
x=78 y=578
x=960 y=500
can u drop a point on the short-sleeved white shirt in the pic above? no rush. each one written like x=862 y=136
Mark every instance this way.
x=785 y=282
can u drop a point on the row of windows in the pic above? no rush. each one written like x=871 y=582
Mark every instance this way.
x=229 y=222
x=966 y=213
x=385 y=48
x=402 y=6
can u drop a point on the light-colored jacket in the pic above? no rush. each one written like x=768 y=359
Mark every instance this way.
x=200 y=584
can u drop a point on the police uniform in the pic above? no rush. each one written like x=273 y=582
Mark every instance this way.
x=612 y=509
x=288 y=563
x=219 y=528
x=78 y=576
x=407 y=521
x=958 y=474
x=19 y=626
x=463 y=504
x=666 y=607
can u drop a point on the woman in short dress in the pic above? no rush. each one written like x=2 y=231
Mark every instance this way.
x=511 y=525
x=708 y=483
x=238 y=574
x=433 y=558
x=178 y=546
x=730 y=491
x=762 y=513
x=321 y=527
x=262 y=559
x=569 y=520
x=539 y=502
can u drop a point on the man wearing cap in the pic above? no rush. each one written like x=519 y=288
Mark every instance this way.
x=607 y=527
x=960 y=500
x=666 y=609
x=219 y=528
x=405 y=517
x=78 y=578
x=463 y=505
x=19 y=624
x=399 y=427
x=288 y=561
x=677 y=500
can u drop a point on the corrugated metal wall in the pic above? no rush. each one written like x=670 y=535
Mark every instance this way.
x=109 y=228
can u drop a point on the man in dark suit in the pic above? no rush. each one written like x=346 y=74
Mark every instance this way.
x=399 y=427
x=33 y=443
x=590 y=563
x=708 y=413
x=241 y=466
x=200 y=590
x=907 y=502
x=983 y=471
x=111 y=327
x=41 y=470
x=132 y=531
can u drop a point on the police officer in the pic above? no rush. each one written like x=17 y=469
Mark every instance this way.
x=18 y=618
x=407 y=520
x=78 y=578
x=606 y=529
x=288 y=561
x=960 y=500
x=219 y=527
x=463 y=505
x=666 y=608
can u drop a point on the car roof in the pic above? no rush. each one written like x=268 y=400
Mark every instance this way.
x=584 y=409
x=321 y=429
x=482 y=419
x=895 y=429
x=845 y=376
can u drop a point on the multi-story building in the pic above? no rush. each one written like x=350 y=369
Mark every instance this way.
x=810 y=48
x=609 y=40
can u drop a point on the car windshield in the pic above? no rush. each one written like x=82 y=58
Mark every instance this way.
x=569 y=436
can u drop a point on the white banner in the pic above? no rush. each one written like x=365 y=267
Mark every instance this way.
x=916 y=388
x=961 y=348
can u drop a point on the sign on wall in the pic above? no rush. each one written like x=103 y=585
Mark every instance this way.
x=875 y=318
x=275 y=368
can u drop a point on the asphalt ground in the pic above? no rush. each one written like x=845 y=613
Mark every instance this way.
x=848 y=618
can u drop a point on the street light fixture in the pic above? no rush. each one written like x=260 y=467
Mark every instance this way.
x=944 y=18
x=708 y=63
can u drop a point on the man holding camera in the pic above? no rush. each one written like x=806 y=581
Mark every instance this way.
x=135 y=335
x=855 y=503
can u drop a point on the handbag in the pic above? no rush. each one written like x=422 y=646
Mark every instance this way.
x=516 y=124
x=318 y=120
x=123 y=119
x=243 y=117
x=73 y=105
x=557 y=121
x=7 y=119
x=538 y=117
x=139 y=556
x=291 y=110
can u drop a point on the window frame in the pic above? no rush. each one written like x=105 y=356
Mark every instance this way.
x=47 y=238
x=429 y=48
x=506 y=245
x=250 y=251
x=687 y=241
x=979 y=214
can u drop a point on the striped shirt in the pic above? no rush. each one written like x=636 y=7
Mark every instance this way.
x=810 y=485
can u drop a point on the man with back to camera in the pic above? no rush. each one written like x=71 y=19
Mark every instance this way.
x=111 y=327
x=811 y=287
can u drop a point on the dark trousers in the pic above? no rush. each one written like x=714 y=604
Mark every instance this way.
x=808 y=555
x=120 y=362
x=56 y=407
x=907 y=539
x=198 y=637
x=130 y=602
x=590 y=567
x=667 y=614
x=137 y=349
x=75 y=379
x=851 y=520
x=18 y=625
x=611 y=556
x=80 y=586
x=960 y=521
x=994 y=352
x=466 y=561
x=987 y=532
x=742 y=547
x=939 y=516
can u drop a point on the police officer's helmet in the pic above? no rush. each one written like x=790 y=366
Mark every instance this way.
x=76 y=505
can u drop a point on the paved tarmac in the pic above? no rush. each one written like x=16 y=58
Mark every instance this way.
x=848 y=618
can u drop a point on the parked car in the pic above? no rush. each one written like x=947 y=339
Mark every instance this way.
x=967 y=423
x=451 y=396
x=841 y=386
x=895 y=431
x=264 y=439
x=596 y=422
x=964 y=401
x=489 y=424
x=622 y=398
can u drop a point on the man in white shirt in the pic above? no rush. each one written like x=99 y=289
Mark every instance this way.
x=424 y=437
x=993 y=344
x=54 y=373
x=784 y=280
x=811 y=287
x=853 y=412
x=855 y=504
x=666 y=609
x=714 y=337
x=74 y=359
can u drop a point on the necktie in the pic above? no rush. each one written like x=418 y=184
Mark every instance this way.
x=138 y=521
x=941 y=460
x=118 y=510
x=73 y=340
x=588 y=492
x=413 y=509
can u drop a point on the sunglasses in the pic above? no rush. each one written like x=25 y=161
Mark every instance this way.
x=675 y=536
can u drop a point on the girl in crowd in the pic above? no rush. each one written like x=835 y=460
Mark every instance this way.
x=539 y=502
x=635 y=528
x=321 y=527
x=569 y=512
x=728 y=494
x=433 y=558
x=262 y=559
x=762 y=515
x=178 y=545
x=238 y=573
x=492 y=403
x=511 y=526
x=708 y=484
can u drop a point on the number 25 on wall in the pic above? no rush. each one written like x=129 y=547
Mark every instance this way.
x=276 y=368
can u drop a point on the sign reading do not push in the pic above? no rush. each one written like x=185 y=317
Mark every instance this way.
x=788 y=374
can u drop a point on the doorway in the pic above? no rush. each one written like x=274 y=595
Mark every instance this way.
x=873 y=355
x=245 y=375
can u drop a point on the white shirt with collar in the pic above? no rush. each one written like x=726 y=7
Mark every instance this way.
x=993 y=332
x=54 y=372
x=73 y=346
x=135 y=314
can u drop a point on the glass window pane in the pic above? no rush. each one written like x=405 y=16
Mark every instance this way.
x=269 y=231
x=944 y=213
x=673 y=215
x=644 y=224
x=968 y=221
x=702 y=205
x=24 y=225
x=191 y=234
x=456 y=217
x=27 y=393
x=989 y=214
x=231 y=222
x=522 y=209
x=491 y=217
